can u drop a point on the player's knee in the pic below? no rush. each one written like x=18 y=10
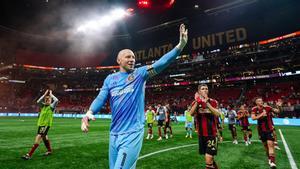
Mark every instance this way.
x=209 y=166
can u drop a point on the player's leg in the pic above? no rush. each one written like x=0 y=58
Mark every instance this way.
x=211 y=151
x=113 y=152
x=47 y=144
x=190 y=125
x=36 y=144
x=131 y=145
x=249 y=133
x=275 y=140
x=271 y=149
x=220 y=132
x=245 y=132
x=171 y=131
x=187 y=129
x=209 y=161
x=234 y=134
x=231 y=126
x=47 y=141
x=165 y=126
x=160 y=124
x=151 y=131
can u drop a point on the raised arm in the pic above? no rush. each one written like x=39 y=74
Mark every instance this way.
x=166 y=59
x=95 y=106
x=55 y=100
x=278 y=108
x=40 y=100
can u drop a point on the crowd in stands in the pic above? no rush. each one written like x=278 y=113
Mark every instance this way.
x=179 y=97
x=236 y=61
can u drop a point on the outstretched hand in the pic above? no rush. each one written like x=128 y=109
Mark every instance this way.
x=85 y=121
x=183 y=37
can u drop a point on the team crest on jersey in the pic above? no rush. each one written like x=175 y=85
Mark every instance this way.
x=130 y=78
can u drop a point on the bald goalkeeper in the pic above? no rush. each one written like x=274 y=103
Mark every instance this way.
x=126 y=93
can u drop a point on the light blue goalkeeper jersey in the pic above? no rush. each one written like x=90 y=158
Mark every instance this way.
x=126 y=93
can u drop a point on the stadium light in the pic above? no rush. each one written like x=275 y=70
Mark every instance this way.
x=104 y=21
x=144 y=3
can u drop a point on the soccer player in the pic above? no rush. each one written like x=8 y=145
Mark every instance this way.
x=263 y=114
x=126 y=92
x=150 y=117
x=162 y=114
x=243 y=115
x=168 y=122
x=275 y=135
x=188 y=122
x=220 y=125
x=231 y=123
x=44 y=122
x=206 y=112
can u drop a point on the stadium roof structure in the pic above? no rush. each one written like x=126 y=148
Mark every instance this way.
x=50 y=17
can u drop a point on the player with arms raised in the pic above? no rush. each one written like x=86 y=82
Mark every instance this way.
x=263 y=115
x=44 y=122
x=126 y=92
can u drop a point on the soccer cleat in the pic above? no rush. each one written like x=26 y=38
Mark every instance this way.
x=171 y=136
x=186 y=136
x=26 y=157
x=148 y=136
x=191 y=136
x=235 y=142
x=272 y=165
x=246 y=143
x=167 y=137
x=48 y=153
x=277 y=147
x=151 y=136
x=249 y=141
x=159 y=139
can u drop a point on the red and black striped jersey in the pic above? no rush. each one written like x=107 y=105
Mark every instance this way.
x=206 y=122
x=244 y=118
x=264 y=124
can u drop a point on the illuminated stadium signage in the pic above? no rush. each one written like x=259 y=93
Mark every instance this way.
x=220 y=38
x=202 y=42
x=294 y=34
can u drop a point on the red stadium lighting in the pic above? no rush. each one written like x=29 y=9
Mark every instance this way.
x=144 y=3
x=170 y=3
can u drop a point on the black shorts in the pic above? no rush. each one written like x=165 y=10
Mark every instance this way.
x=150 y=125
x=265 y=136
x=231 y=126
x=43 y=130
x=208 y=145
x=160 y=123
x=168 y=124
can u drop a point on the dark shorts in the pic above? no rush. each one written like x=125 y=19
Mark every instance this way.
x=43 y=130
x=245 y=128
x=150 y=125
x=265 y=136
x=231 y=126
x=168 y=124
x=160 y=123
x=208 y=145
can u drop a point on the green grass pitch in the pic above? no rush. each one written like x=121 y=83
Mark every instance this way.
x=73 y=149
